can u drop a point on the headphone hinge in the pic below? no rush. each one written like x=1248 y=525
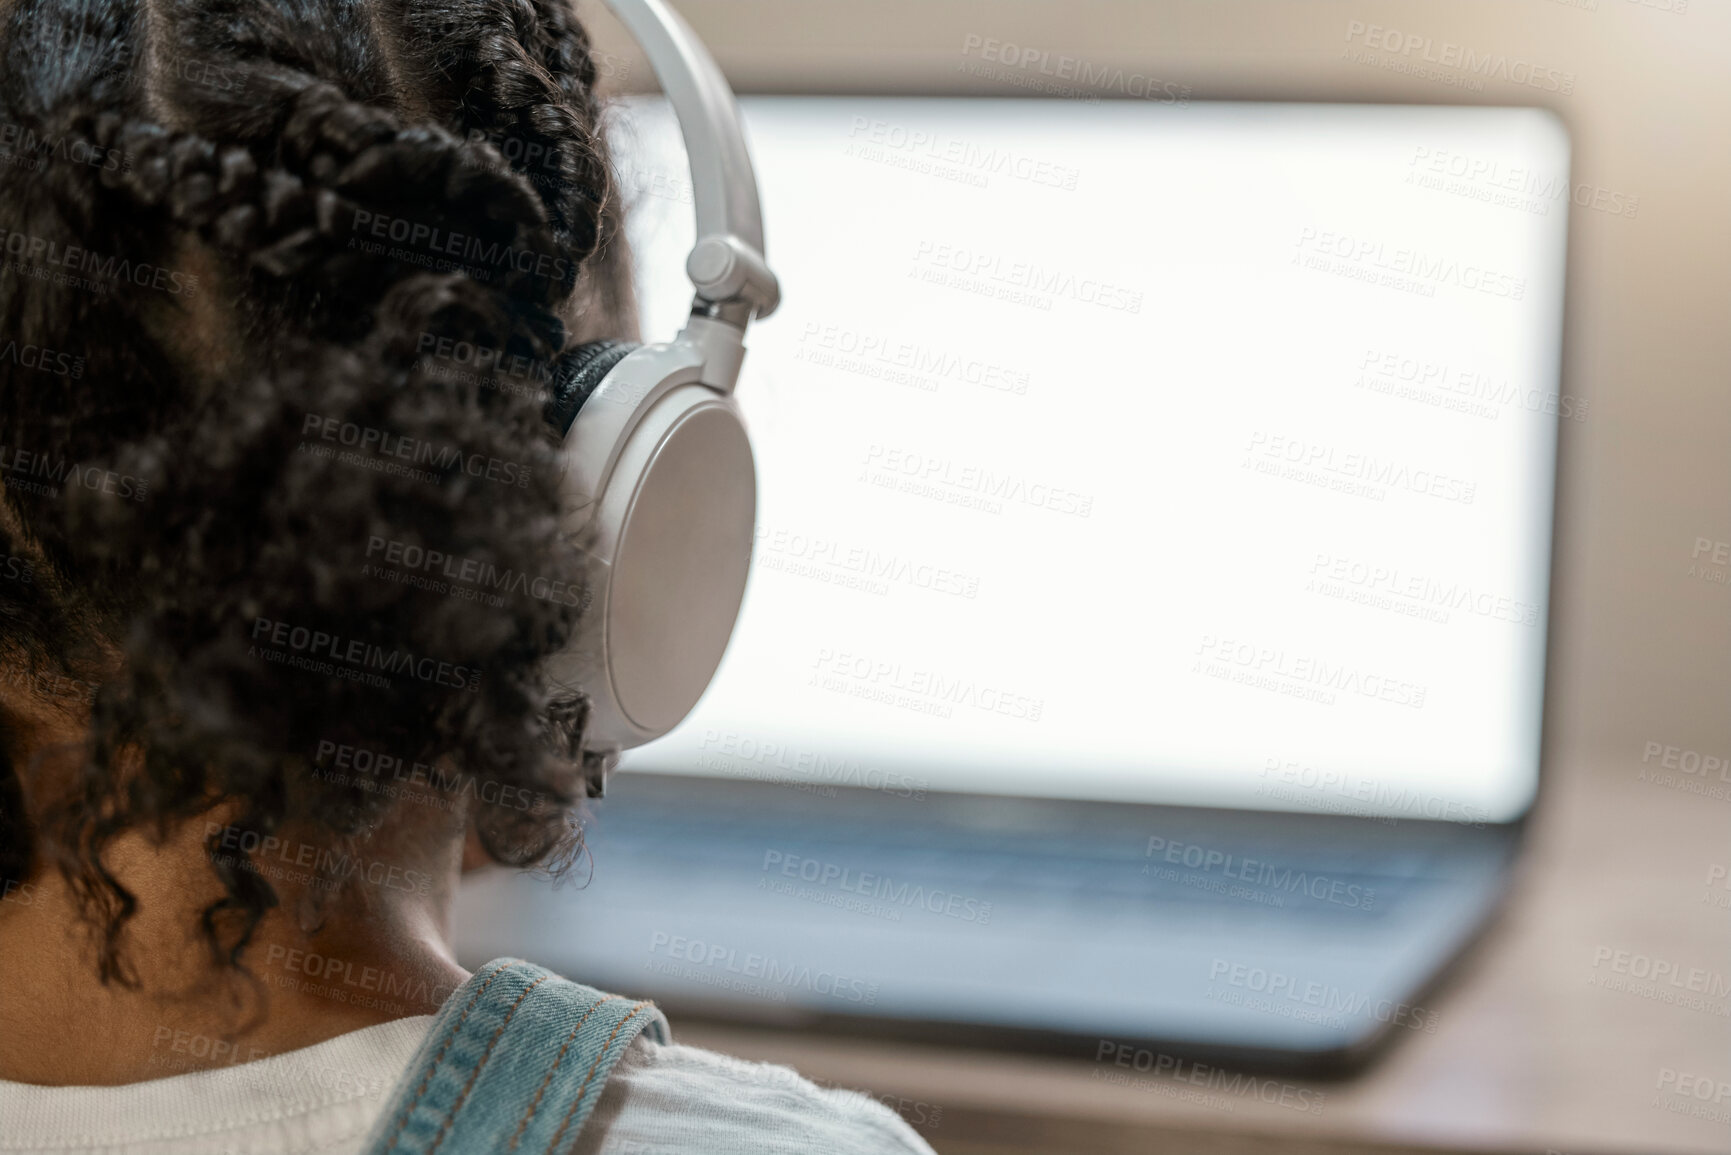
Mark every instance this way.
x=720 y=345
x=725 y=269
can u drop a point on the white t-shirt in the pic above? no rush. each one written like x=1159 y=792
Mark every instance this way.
x=322 y=1100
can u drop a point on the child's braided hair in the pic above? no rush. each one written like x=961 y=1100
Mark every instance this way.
x=282 y=283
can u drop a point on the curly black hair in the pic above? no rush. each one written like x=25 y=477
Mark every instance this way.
x=275 y=475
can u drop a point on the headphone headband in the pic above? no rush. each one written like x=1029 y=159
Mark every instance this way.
x=727 y=266
x=659 y=486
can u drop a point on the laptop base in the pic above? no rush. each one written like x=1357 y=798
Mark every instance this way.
x=1155 y=934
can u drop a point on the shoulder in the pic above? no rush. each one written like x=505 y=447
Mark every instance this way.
x=663 y=1099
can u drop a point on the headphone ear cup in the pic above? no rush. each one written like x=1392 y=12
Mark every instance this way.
x=579 y=373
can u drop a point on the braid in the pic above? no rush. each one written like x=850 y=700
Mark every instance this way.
x=328 y=234
x=519 y=73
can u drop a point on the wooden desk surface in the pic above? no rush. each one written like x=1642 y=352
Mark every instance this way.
x=1545 y=1040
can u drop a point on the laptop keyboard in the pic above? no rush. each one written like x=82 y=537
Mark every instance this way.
x=1289 y=883
x=1308 y=879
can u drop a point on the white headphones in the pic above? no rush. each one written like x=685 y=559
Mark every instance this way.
x=659 y=486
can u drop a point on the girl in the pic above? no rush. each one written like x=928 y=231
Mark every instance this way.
x=284 y=289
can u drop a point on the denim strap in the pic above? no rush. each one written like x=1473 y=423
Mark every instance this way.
x=514 y=1062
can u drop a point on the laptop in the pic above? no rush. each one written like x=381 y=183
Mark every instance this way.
x=1146 y=638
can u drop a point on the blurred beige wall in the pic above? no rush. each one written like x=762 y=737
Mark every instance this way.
x=1642 y=650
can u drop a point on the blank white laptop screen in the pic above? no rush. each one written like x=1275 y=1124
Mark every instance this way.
x=1150 y=453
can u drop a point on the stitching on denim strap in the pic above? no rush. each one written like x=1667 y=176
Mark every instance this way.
x=434 y=1065
x=578 y=1098
x=451 y=1115
x=523 y=1123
